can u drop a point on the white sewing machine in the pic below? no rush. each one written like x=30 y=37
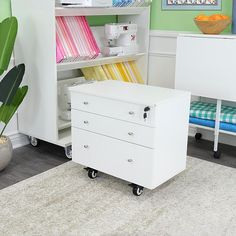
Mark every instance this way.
x=122 y=39
x=86 y=3
x=64 y=98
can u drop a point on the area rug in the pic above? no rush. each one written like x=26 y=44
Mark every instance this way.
x=64 y=201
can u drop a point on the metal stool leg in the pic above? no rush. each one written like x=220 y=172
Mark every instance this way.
x=217 y=128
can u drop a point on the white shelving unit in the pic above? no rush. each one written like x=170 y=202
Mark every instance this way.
x=97 y=62
x=36 y=47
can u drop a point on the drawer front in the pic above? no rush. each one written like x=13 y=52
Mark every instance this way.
x=130 y=132
x=118 y=158
x=113 y=108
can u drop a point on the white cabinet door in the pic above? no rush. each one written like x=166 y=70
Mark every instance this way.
x=130 y=132
x=206 y=66
x=113 y=108
x=118 y=158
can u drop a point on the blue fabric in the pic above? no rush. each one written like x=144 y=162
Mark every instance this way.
x=211 y=123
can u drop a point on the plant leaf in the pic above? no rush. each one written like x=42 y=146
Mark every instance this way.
x=7 y=111
x=10 y=83
x=8 y=32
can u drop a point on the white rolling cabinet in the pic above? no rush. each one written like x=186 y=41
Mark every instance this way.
x=36 y=47
x=134 y=132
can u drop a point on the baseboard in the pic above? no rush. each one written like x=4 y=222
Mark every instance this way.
x=18 y=140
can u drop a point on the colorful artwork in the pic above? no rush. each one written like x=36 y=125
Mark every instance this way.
x=191 y=4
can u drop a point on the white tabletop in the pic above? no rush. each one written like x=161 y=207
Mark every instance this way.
x=129 y=92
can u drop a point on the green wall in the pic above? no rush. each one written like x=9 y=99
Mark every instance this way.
x=181 y=20
x=160 y=20
x=5 y=9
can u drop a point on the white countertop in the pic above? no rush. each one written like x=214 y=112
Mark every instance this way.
x=129 y=92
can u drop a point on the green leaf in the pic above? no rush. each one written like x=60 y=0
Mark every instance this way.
x=8 y=32
x=10 y=83
x=7 y=111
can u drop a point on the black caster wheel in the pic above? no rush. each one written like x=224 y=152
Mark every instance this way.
x=92 y=174
x=34 y=141
x=198 y=136
x=137 y=190
x=217 y=154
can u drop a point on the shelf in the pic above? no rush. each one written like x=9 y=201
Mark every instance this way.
x=212 y=129
x=63 y=124
x=98 y=11
x=97 y=62
x=64 y=138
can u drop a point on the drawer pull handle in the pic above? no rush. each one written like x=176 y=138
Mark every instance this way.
x=86 y=122
x=85 y=103
x=131 y=134
x=130 y=160
x=86 y=146
x=131 y=113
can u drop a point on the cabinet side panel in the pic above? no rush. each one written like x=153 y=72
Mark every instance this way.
x=171 y=138
x=36 y=47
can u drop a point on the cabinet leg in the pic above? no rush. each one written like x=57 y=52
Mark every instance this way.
x=68 y=152
x=34 y=141
x=137 y=190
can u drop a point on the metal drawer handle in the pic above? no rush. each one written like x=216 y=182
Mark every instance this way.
x=86 y=122
x=131 y=134
x=85 y=103
x=86 y=146
x=131 y=113
x=130 y=160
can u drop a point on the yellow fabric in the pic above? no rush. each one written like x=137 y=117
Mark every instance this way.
x=124 y=71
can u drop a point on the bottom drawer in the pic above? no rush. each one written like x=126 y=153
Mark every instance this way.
x=127 y=161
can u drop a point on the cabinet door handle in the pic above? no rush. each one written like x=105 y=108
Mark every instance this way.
x=85 y=103
x=86 y=122
x=130 y=160
x=131 y=113
x=86 y=146
x=131 y=134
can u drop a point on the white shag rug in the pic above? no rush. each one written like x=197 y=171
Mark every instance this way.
x=63 y=201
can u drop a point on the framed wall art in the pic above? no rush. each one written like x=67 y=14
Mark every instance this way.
x=191 y=4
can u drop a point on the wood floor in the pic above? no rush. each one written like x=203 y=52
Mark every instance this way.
x=29 y=161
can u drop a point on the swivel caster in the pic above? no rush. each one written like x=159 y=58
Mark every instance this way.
x=34 y=141
x=92 y=174
x=68 y=152
x=217 y=154
x=137 y=190
x=198 y=136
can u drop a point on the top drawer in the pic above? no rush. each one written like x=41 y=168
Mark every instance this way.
x=116 y=109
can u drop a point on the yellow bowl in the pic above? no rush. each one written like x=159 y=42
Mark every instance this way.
x=212 y=26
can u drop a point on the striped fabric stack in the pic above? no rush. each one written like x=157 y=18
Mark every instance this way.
x=131 y=3
x=74 y=39
x=125 y=71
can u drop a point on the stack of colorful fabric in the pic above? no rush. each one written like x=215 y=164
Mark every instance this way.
x=125 y=71
x=131 y=3
x=74 y=39
x=202 y=113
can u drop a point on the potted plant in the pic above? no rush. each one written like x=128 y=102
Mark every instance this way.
x=11 y=94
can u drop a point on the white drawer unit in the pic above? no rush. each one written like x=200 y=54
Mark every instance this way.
x=134 y=132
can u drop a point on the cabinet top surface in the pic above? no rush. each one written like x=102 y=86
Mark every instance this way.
x=129 y=92
x=209 y=36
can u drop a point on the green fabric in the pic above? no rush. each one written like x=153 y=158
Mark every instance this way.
x=207 y=111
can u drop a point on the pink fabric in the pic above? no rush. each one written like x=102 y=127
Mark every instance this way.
x=74 y=39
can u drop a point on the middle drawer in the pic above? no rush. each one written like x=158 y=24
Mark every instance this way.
x=126 y=131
